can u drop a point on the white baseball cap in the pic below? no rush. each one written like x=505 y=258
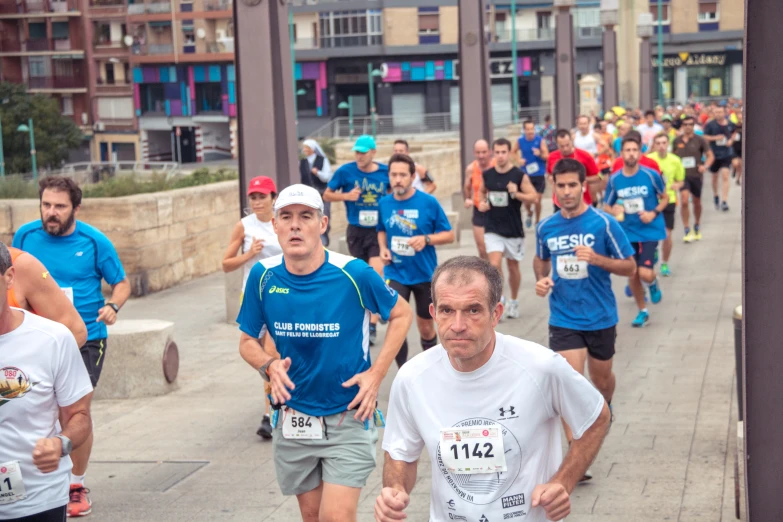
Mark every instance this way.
x=299 y=195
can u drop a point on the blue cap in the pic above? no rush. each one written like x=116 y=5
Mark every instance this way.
x=364 y=144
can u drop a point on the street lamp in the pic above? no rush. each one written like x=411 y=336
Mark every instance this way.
x=644 y=30
x=371 y=75
x=610 y=14
x=348 y=105
x=29 y=128
x=660 y=51
x=565 y=76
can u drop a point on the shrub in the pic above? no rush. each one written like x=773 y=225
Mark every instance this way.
x=16 y=187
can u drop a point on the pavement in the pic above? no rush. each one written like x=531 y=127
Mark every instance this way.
x=193 y=454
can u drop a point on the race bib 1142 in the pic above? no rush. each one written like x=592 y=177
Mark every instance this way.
x=11 y=483
x=473 y=450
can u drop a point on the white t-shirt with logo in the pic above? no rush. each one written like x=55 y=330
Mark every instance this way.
x=41 y=370
x=525 y=388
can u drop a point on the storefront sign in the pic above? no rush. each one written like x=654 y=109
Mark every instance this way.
x=691 y=59
x=502 y=67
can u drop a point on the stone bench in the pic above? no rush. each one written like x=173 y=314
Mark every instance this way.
x=142 y=360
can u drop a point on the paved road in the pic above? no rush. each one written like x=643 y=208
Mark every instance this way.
x=193 y=455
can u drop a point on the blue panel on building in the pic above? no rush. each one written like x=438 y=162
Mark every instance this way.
x=712 y=26
x=298 y=71
x=429 y=70
x=198 y=73
x=232 y=92
x=168 y=108
x=428 y=9
x=214 y=73
x=417 y=74
x=429 y=38
x=448 y=69
x=183 y=93
x=164 y=74
x=231 y=73
x=173 y=74
x=405 y=67
x=138 y=76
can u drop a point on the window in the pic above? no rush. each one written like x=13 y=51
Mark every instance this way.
x=37 y=67
x=351 y=28
x=152 y=99
x=60 y=30
x=115 y=108
x=209 y=97
x=306 y=101
x=429 y=23
x=67 y=106
x=102 y=34
x=110 y=73
x=708 y=12
x=664 y=13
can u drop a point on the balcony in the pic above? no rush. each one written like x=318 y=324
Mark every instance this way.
x=150 y=8
x=588 y=32
x=17 y=9
x=218 y=5
x=503 y=34
x=364 y=40
x=104 y=49
x=55 y=82
x=108 y=8
x=114 y=89
x=140 y=49
x=303 y=44
x=38 y=45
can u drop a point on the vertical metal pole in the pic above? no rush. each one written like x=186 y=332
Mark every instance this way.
x=611 y=89
x=474 y=93
x=645 y=75
x=350 y=116
x=2 y=154
x=293 y=66
x=372 y=97
x=660 y=52
x=32 y=149
x=514 y=79
x=565 y=77
x=266 y=127
x=762 y=297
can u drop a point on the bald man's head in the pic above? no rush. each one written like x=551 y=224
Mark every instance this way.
x=481 y=153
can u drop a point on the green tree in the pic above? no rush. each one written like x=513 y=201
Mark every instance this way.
x=55 y=134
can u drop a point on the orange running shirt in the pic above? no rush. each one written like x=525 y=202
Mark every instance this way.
x=475 y=178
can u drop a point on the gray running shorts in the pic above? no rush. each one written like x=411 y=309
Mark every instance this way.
x=345 y=456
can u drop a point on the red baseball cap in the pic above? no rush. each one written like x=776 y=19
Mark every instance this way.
x=262 y=185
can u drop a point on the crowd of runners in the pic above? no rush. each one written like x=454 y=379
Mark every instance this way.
x=309 y=316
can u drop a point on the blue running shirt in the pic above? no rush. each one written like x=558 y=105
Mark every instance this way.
x=586 y=302
x=321 y=321
x=534 y=166
x=374 y=185
x=421 y=214
x=638 y=191
x=77 y=262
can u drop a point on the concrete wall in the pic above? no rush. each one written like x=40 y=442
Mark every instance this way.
x=167 y=238
x=449 y=24
x=732 y=14
x=685 y=16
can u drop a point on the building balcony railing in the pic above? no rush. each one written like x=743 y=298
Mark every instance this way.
x=135 y=9
x=14 y=7
x=218 y=5
x=107 y=3
x=302 y=44
x=226 y=45
x=151 y=8
x=55 y=82
x=116 y=88
x=525 y=35
x=331 y=42
x=588 y=32
x=152 y=49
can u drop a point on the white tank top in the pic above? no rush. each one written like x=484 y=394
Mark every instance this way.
x=586 y=143
x=255 y=228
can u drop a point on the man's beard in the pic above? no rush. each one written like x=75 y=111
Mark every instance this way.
x=62 y=229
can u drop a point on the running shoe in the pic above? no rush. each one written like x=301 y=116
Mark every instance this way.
x=697 y=235
x=716 y=199
x=641 y=318
x=690 y=237
x=655 y=292
x=513 y=309
x=373 y=334
x=665 y=270
x=655 y=257
x=79 y=503
x=587 y=476
x=724 y=207
x=628 y=293
x=265 y=430
x=529 y=221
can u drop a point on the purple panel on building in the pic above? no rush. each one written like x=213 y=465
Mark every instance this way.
x=171 y=91
x=150 y=74
x=310 y=70
x=176 y=107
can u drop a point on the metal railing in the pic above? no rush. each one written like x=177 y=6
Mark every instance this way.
x=525 y=35
x=698 y=99
x=302 y=44
x=588 y=32
x=218 y=5
x=56 y=82
x=442 y=123
x=135 y=9
x=152 y=49
x=331 y=42
x=94 y=171
x=158 y=7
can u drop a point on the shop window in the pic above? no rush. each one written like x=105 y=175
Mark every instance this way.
x=209 y=97
x=708 y=12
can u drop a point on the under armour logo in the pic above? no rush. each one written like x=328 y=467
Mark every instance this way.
x=510 y=411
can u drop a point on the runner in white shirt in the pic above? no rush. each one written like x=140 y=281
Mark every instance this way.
x=42 y=378
x=255 y=236
x=495 y=449
x=584 y=136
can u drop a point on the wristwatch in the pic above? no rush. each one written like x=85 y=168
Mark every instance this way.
x=427 y=239
x=113 y=307
x=67 y=445
x=264 y=369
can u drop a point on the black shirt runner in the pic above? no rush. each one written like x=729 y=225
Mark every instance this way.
x=504 y=216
